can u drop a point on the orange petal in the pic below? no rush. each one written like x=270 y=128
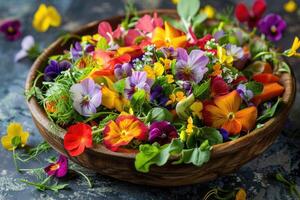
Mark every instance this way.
x=230 y=102
x=247 y=117
x=178 y=42
x=270 y=91
x=232 y=126
x=158 y=37
x=217 y=117
x=171 y=32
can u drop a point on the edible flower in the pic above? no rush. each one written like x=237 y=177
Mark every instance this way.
x=77 y=50
x=45 y=17
x=290 y=6
x=293 y=50
x=272 y=26
x=86 y=97
x=11 y=29
x=122 y=131
x=191 y=67
x=209 y=11
x=155 y=71
x=157 y=95
x=58 y=169
x=178 y=96
x=251 y=17
x=217 y=70
x=219 y=87
x=105 y=30
x=123 y=70
x=55 y=68
x=78 y=137
x=147 y=24
x=138 y=80
x=241 y=194
x=162 y=132
x=27 y=47
x=223 y=57
x=190 y=126
x=168 y=37
x=225 y=113
x=14 y=137
x=197 y=108
x=244 y=92
x=235 y=51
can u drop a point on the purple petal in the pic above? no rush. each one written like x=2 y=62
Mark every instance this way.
x=182 y=54
x=197 y=59
x=88 y=86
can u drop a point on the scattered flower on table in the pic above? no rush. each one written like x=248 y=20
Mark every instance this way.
x=290 y=6
x=272 y=26
x=45 y=17
x=294 y=48
x=55 y=68
x=86 y=97
x=26 y=45
x=162 y=132
x=241 y=194
x=11 y=29
x=58 y=169
x=78 y=138
x=14 y=136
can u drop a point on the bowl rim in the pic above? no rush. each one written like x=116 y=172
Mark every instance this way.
x=288 y=80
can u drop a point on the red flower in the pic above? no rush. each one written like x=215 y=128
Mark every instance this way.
x=219 y=87
x=77 y=138
x=243 y=14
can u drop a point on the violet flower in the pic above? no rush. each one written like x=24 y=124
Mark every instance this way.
x=162 y=132
x=235 y=51
x=272 y=26
x=87 y=97
x=157 y=95
x=138 y=80
x=11 y=29
x=245 y=94
x=123 y=70
x=59 y=168
x=191 y=67
x=26 y=45
x=77 y=50
x=169 y=52
x=55 y=68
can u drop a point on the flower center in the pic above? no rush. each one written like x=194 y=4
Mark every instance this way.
x=10 y=29
x=186 y=73
x=55 y=167
x=123 y=132
x=231 y=116
x=164 y=135
x=273 y=29
x=86 y=100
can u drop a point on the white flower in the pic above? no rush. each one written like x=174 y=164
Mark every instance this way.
x=26 y=44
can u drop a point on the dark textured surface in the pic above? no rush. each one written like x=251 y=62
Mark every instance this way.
x=256 y=176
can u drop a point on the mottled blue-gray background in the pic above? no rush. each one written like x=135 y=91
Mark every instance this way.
x=256 y=176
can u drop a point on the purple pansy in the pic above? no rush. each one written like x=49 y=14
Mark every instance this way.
x=191 y=67
x=245 y=94
x=59 y=168
x=169 y=52
x=235 y=51
x=55 y=68
x=162 y=132
x=77 y=50
x=138 y=80
x=123 y=70
x=157 y=95
x=272 y=26
x=11 y=29
x=87 y=96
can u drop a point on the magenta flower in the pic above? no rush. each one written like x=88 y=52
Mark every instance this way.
x=162 y=132
x=138 y=80
x=87 y=97
x=55 y=68
x=272 y=26
x=58 y=169
x=11 y=29
x=122 y=70
x=191 y=67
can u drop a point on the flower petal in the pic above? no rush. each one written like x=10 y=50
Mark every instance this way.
x=232 y=126
x=230 y=102
x=247 y=117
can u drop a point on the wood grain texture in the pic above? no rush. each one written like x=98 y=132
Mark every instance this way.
x=225 y=158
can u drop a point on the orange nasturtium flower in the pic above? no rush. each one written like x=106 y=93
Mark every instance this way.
x=123 y=130
x=225 y=113
x=168 y=37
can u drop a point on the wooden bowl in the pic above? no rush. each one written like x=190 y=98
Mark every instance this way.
x=225 y=158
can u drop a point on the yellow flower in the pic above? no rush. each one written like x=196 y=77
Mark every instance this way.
x=170 y=78
x=91 y=39
x=197 y=108
x=241 y=194
x=166 y=62
x=293 y=50
x=183 y=135
x=157 y=70
x=45 y=17
x=290 y=6
x=178 y=96
x=175 y=1
x=223 y=57
x=14 y=130
x=209 y=11
x=190 y=126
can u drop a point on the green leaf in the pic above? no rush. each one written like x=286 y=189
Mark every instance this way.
x=255 y=87
x=198 y=19
x=34 y=92
x=119 y=86
x=200 y=135
x=202 y=91
x=138 y=98
x=159 y=114
x=16 y=141
x=156 y=154
x=102 y=44
x=270 y=112
x=188 y=9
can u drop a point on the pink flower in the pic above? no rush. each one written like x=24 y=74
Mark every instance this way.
x=105 y=30
x=147 y=24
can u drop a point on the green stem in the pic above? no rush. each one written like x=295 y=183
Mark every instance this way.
x=98 y=131
x=98 y=115
x=85 y=177
x=15 y=160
